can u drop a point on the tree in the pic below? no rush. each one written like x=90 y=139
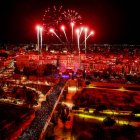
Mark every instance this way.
x=14 y=90
x=109 y=121
x=16 y=70
x=86 y=109
x=87 y=83
x=1 y=92
x=50 y=69
x=26 y=71
x=101 y=107
x=64 y=114
x=30 y=97
x=84 y=74
x=75 y=107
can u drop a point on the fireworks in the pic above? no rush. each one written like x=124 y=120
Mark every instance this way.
x=52 y=17
x=63 y=29
x=71 y=16
x=54 y=21
x=55 y=16
x=39 y=37
x=53 y=32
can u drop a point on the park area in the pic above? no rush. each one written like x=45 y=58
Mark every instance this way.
x=106 y=113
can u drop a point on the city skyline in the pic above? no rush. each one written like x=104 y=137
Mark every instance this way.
x=113 y=22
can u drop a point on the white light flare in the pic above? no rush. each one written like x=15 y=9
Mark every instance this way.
x=63 y=29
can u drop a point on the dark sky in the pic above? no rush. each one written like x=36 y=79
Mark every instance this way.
x=114 y=21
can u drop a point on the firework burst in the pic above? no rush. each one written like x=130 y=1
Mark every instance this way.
x=71 y=16
x=52 y=17
x=55 y=16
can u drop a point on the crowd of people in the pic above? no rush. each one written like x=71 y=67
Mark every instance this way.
x=42 y=115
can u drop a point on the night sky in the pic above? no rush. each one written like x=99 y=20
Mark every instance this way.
x=114 y=21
